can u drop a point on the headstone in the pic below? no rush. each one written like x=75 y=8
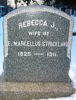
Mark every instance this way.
x=37 y=45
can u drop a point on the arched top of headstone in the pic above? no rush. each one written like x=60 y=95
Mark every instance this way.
x=37 y=8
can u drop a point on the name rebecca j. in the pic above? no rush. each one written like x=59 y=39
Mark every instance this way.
x=36 y=22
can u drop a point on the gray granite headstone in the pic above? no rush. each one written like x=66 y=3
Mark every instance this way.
x=37 y=45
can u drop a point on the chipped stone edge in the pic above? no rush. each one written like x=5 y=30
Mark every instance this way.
x=34 y=9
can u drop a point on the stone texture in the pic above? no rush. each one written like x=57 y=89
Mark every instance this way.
x=37 y=67
x=33 y=90
x=29 y=90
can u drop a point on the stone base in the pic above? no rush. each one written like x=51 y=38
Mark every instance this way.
x=30 y=91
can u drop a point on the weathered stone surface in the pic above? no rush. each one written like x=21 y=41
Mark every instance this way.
x=29 y=90
x=33 y=90
x=37 y=45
